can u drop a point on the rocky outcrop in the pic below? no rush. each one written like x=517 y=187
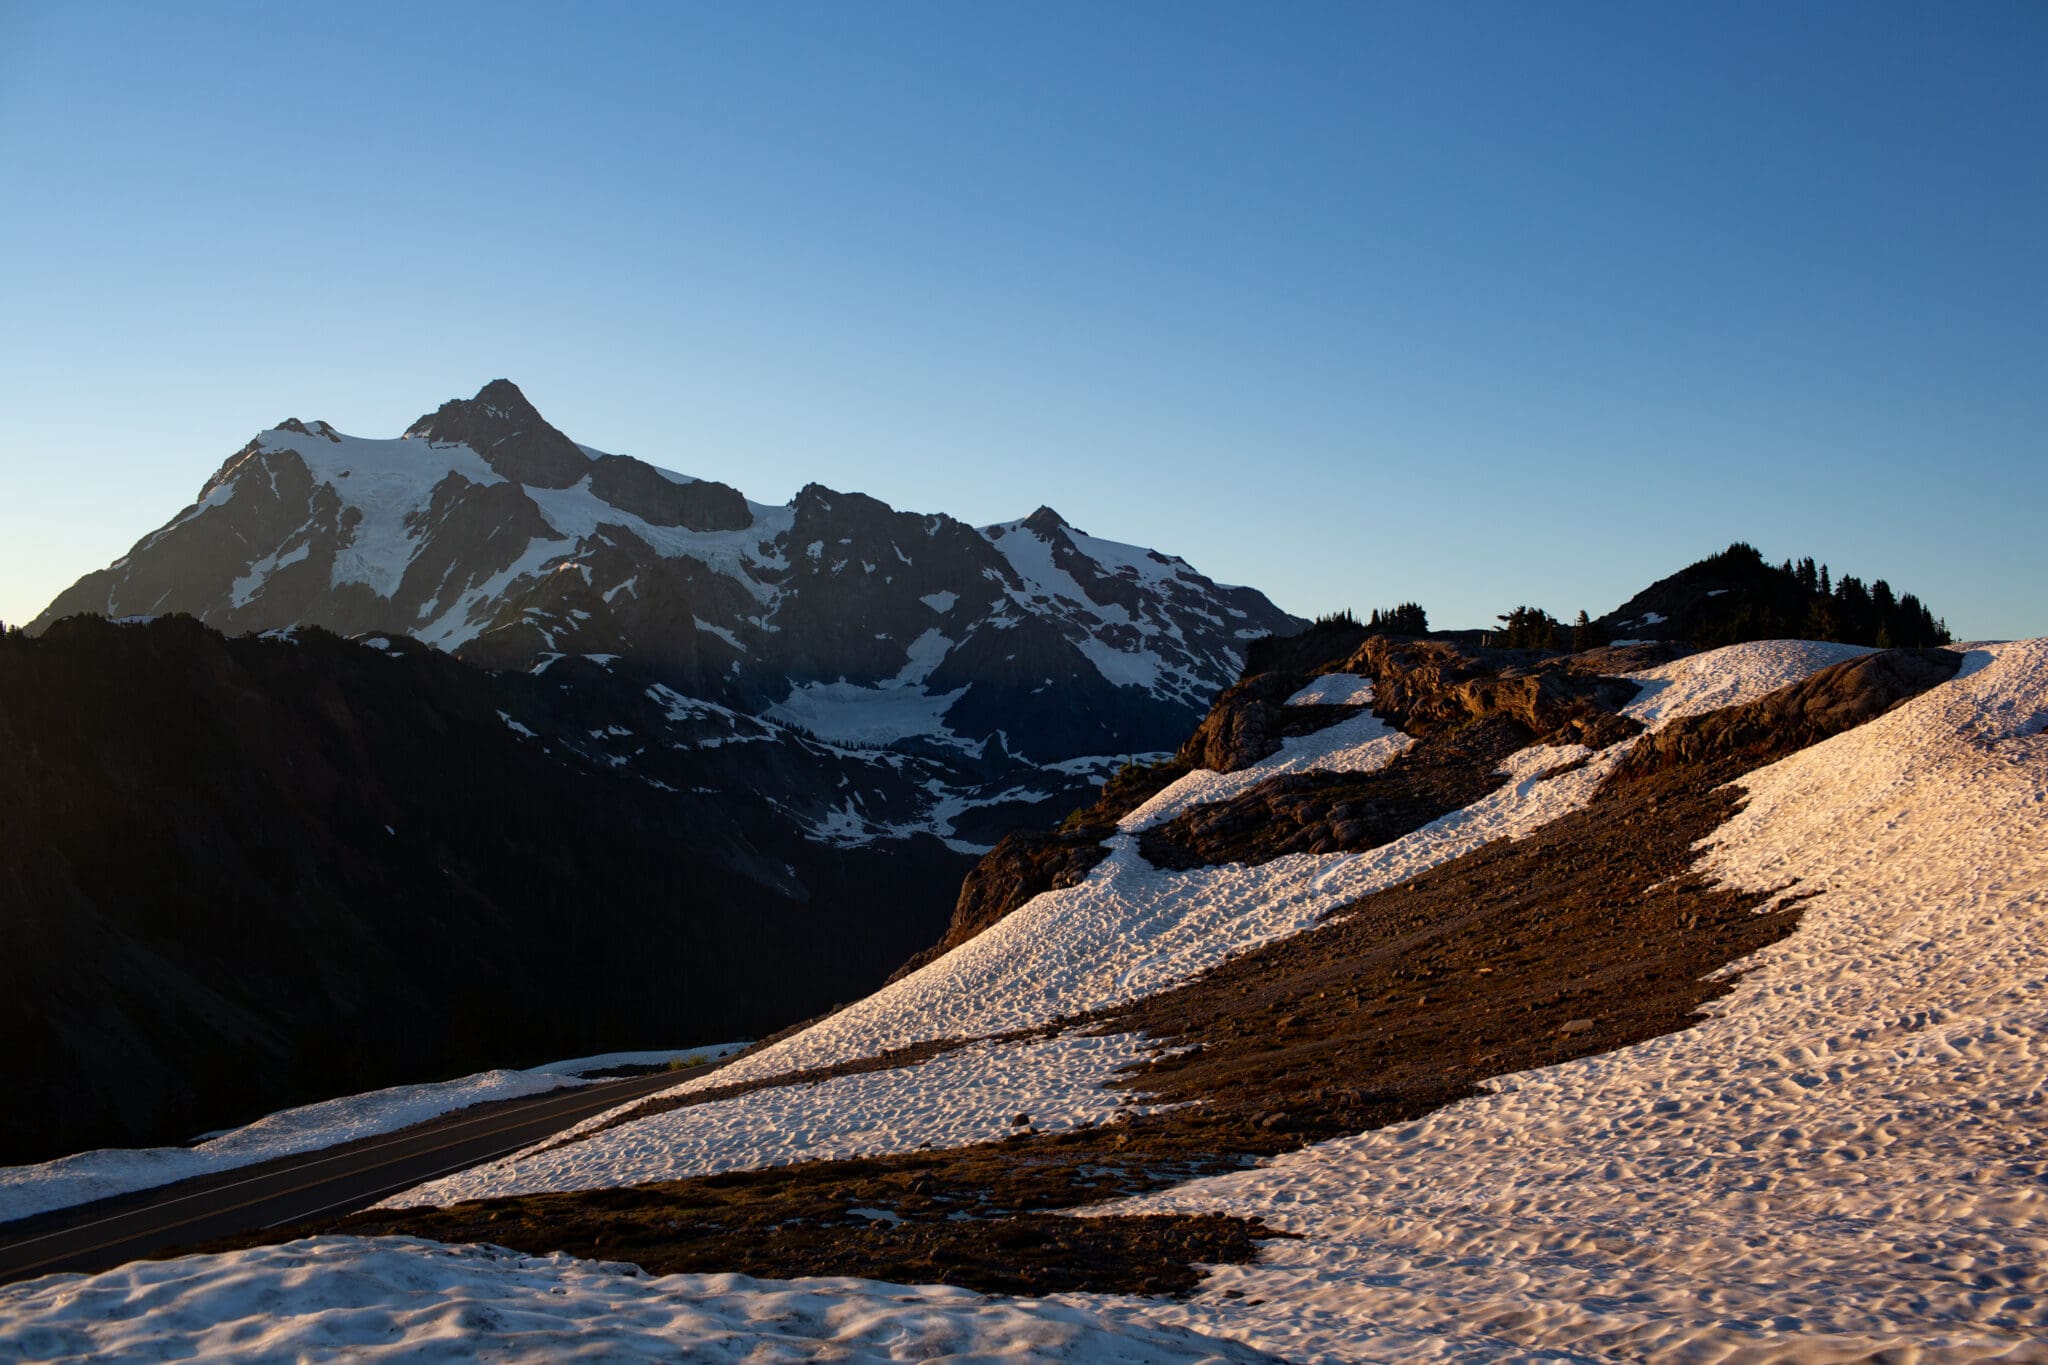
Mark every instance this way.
x=1243 y=726
x=1323 y=813
x=1833 y=700
x=662 y=500
x=1424 y=687
x=511 y=435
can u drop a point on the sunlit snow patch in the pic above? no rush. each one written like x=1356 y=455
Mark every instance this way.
x=1335 y=689
x=403 y=1299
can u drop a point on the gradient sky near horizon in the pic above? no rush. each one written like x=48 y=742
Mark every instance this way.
x=1474 y=304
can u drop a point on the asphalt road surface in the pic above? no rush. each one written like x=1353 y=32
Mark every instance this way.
x=334 y=1180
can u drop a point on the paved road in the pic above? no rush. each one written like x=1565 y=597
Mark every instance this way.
x=111 y=1232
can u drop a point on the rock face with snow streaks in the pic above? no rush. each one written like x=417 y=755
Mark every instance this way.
x=487 y=532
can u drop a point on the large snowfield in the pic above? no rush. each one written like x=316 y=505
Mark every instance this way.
x=1844 y=1159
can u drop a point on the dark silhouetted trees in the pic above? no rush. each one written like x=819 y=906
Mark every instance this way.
x=1407 y=619
x=1530 y=628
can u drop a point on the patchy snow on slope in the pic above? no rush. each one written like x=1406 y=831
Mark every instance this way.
x=403 y=1299
x=389 y=483
x=1362 y=744
x=577 y=513
x=1846 y=1158
x=1335 y=689
x=1729 y=677
x=250 y=583
x=1130 y=929
x=899 y=707
x=1132 y=667
x=1031 y=559
x=965 y=1096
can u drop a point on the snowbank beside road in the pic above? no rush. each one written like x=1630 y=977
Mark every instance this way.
x=28 y=1190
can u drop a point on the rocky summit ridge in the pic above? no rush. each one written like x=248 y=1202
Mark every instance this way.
x=488 y=532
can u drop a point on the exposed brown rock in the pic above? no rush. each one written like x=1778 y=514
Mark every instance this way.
x=1424 y=686
x=1831 y=701
x=1340 y=812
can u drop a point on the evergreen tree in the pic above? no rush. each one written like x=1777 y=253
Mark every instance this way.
x=1586 y=635
x=1530 y=628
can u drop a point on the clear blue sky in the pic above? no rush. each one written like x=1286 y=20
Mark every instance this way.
x=1473 y=304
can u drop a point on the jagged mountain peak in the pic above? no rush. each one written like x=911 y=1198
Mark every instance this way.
x=321 y=429
x=509 y=433
x=488 y=532
x=1045 y=522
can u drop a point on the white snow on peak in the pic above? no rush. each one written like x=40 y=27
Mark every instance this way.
x=1127 y=663
x=1031 y=559
x=1131 y=561
x=389 y=483
x=388 y=486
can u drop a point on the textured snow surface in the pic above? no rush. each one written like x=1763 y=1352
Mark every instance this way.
x=80 y=1179
x=1850 y=1156
x=1335 y=689
x=1130 y=929
x=1729 y=677
x=347 y=1298
x=955 y=1099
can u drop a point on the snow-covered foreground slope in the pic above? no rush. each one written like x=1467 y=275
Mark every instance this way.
x=960 y=1097
x=398 y=1299
x=1849 y=1158
x=60 y=1184
x=1844 y=1159
x=1127 y=931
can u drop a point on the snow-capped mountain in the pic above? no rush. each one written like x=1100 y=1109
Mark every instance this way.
x=486 y=532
